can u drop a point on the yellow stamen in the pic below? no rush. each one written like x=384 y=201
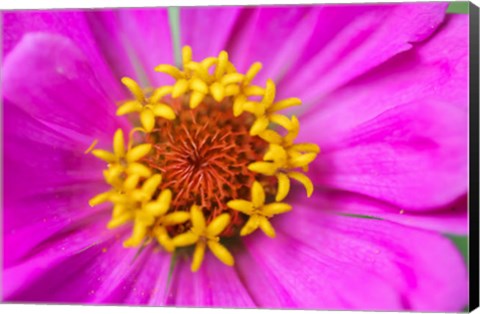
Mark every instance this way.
x=281 y=120
x=243 y=206
x=283 y=187
x=232 y=90
x=196 y=216
x=164 y=111
x=217 y=225
x=134 y=88
x=131 y=182
x=148 y=119
x=162 y=237
x=231 y=78
x=251 y=225
x=99 y=198
x=203 y=235
x=198 y=85
x=208 y=62
x=180 y=87
x=271 y=137
x=119 y=144
x=269 y=95
x=263 y=167
x=104 y=155
x=221 y=253
x=275 y=209
x=159 y=93
x=258 y=195
x=170 y=70
x=186 y=55
x=258 y=211
x=92 y=146
x=252 y=72
x=195 y=99
x=185 y=239
x=253 y=90
x=217 y=91
x=286 y=103
x=303 y=179
x=238 y=105
x=150 y=186
x=176 y=218
x=129 y=107
x=136 y=153
x=303 y=160
x=259 y=126
x=199 y=70
x=138 y=234
x=120 y=220
x=266 y=227
x=221 y=64
x=306 y=147
x=138 y=169
x=198 y=255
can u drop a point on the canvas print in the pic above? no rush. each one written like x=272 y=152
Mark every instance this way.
x=311 y=157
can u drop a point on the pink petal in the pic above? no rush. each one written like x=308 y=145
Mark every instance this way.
x=72 y=268
x=49 y=181
x=321 y=261
x=32 y=279
x=373 y=36
x=71 y=24
x=451 y=218
x=134 y=42
x=418 y=159
x=214 y=285
x=51 y=115
x=413 y=156
x=207 y=29
x=49 y=77
x=133 y=279
x=274 y=36
x=440 y=71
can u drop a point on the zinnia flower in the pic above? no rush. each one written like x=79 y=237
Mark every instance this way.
x=208 y=160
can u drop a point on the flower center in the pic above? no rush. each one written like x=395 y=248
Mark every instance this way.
x=203 y=161
x=203 y=156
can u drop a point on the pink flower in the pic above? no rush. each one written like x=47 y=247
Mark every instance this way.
x=384 y=89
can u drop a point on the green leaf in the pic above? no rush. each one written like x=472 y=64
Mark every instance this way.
x=174 y=20
x=458 y=7
x=461 y=243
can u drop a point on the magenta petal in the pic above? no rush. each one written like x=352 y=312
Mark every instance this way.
x=322 y=261
x=50 y=181
x=440 y=71
x=372 y=37
x=413 y=156
x=71 y=24
x=207 y=30
x=273 y=36
x=31 y=279
x=51 y=115
x=150 y=285
x=399 y=140
x=451 y=218
x=214 y=284
x=135 y=41
x=114 y=45
x=129 y=276
x=62 y=91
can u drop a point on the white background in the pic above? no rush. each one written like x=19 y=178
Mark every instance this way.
x=62 y=309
